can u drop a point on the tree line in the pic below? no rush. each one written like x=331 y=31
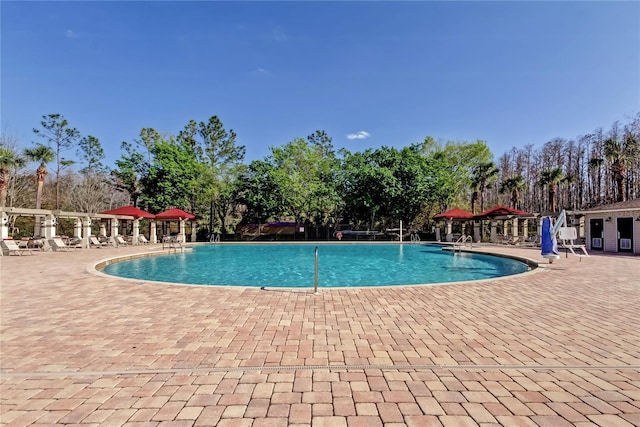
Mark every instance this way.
x=202 y=169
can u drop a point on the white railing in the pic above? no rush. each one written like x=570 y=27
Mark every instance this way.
x=462 y=242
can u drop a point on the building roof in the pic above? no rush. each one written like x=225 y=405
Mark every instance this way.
x=501 y=211
x=618 y=206
x=175 y=213
x=455 y=213
x=130 y=211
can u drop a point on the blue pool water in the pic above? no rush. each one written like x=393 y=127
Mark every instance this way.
x=339 y=265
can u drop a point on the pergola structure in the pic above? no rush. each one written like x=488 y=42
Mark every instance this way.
x=182 y=217
x=46 y=221
x=505 y=214
x=136 y=214
x=450 y=216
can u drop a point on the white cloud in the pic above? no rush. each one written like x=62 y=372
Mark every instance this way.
x=262 y=71
x=359 y=135
x=70 y=34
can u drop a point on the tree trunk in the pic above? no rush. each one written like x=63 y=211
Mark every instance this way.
x=211 y=214
x=4 y=182
x=620 y=186
x=474 y=197
x=57 y=191
x=41 y=173
x=552 y=198
x=222 y=216
x=3 y=194
x=39 y=194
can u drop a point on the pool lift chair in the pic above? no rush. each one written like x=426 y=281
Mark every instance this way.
x=568 y=235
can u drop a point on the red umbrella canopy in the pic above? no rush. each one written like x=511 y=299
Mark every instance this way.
x=502 y=211
x=175 y=214
x=130 y=211
x=455 y=213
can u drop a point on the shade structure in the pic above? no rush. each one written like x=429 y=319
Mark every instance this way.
x=175 y=214
x=455 y=213
x=130 y=211
x=501 y=211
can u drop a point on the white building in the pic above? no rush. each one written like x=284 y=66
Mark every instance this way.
x=614 y=227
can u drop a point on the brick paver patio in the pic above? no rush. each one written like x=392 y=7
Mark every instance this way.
x=556 y=347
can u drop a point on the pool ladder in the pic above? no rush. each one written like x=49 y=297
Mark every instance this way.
x=462 y=243
x=315 y=272
x=172 y=243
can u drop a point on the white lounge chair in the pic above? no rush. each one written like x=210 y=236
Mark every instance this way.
x=105 y=241
x=13 y=248
x=142 y=240
x=57 y=244
x=120 y=241
x=531 y=242
x=94 y=242
x=510 y=240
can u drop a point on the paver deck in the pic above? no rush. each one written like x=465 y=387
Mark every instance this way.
x=557 y=347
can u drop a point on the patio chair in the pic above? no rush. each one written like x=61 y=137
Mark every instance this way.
x=95 y=243
x=74 y=242
x=512 y=241
x=142 y=240
x=105 y=241
x=37 y=243
x=506 y=240
x=12 y=247
x=532 y=242
x=120 y=241
x=57 y=244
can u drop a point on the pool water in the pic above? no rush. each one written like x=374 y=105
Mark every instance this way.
x=339 y=265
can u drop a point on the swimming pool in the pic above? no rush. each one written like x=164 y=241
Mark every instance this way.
x=339 y=265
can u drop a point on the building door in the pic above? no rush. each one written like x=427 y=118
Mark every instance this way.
x=625 y=234
x=596 y=226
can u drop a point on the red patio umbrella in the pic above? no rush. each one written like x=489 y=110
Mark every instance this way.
x=130 y=211
x=455 y=213
x=175 y=213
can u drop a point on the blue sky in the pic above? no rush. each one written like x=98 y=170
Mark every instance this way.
x=391 y=73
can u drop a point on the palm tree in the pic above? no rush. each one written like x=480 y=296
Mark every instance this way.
x=620 y=155
x=551 y=177
x=43 y=154
x=569 y=180
x=483 y=175
x=514 y=185
x=9 y=159
x=595 y=170
x=474 y=199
